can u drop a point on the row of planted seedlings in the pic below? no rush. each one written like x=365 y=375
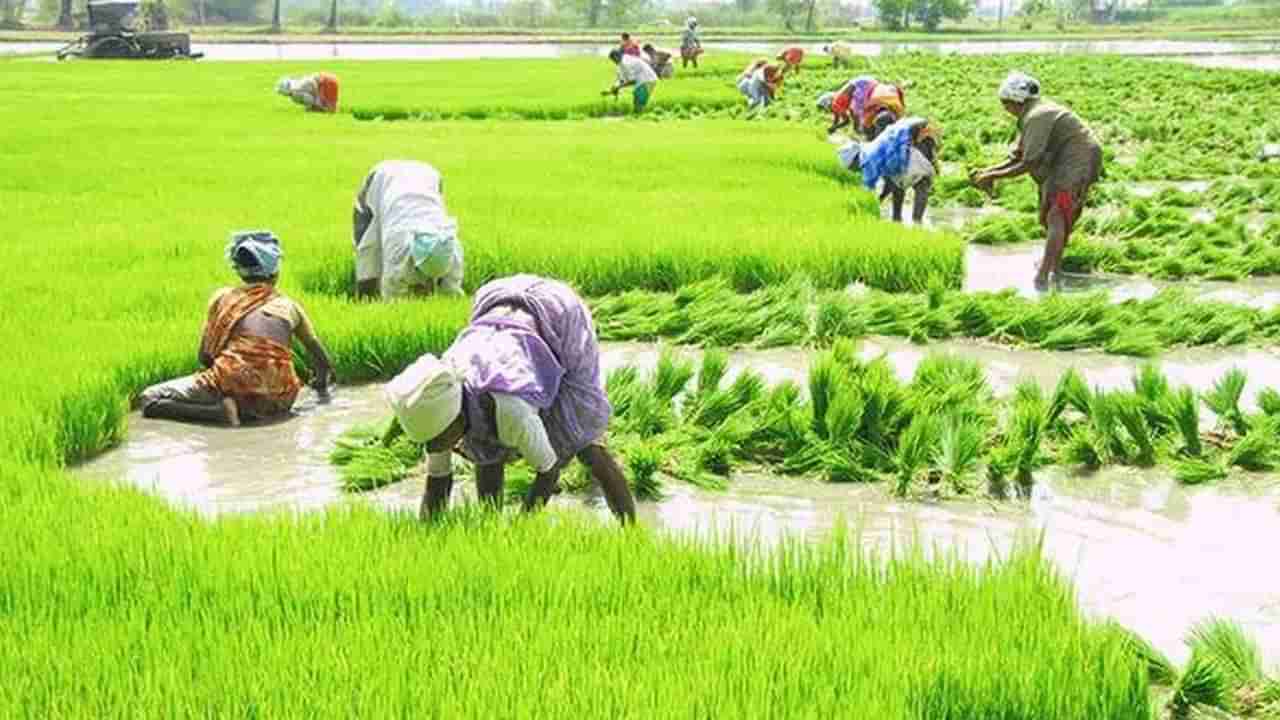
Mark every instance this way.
x=942 y=433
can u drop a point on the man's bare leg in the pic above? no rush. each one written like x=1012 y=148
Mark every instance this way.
x=1055 y=243
x=436 y=496
x=232 y=411
x=544 y=486
x=920 y=203
x=490 y=480
x=613 y=483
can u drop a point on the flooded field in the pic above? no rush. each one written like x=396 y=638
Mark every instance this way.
x=1259 y=54
x=1141 y=548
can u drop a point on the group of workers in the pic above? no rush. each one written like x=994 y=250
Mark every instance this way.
x=641 y=66
x=523 y=379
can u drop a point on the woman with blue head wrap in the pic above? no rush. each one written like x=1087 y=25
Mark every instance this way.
x=246 y=346
x=406 y=243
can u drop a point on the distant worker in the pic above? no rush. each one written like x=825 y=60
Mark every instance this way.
x=629 y=46
x=660 y=61
x=841 y=53
x=245 y=347
x=317 y=93
x=904 y=156
x=690 y=45
x=791 y=59
x=405 y=242
x=759 y=83
x=522 y=380
x=634 y=72
x=1063 y=156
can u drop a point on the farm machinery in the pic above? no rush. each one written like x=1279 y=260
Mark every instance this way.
x=111 y=35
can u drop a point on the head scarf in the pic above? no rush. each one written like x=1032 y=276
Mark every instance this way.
x=255 y=254
x=1019 y=88
x=691 y=23
x=433 y=250
x=285 y=86
x=826 y=99
x=426 y=397
x=849 y=155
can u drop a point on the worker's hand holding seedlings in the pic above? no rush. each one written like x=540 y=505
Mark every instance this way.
x=523 y=381
x=636 y=73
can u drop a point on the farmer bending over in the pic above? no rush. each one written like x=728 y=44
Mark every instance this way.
x=904 y=156
x=791 y=59
x=690 y=45
x=868 y=105
x=660 y=61
x=318 y=93
x=635 y=72
x=759 y=83
x=1060 y=153
x=245 y=347
x=841 y=53
x=523 y=379
x=405 y=243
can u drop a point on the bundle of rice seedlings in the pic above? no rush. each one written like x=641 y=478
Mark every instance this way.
x=1197 y=471
x=885 y=411
x=958 y=451
x=837 y=315
x=844 y=418
x=648 y=414
x=846 y=465
x=1026 y=430
x=643 y=464
x=1269 y=402
x=1071 y=393
x=825 y=375
x=1258 y=450
x=715 y=363
x=672 y=375
x=916 y=447
x=1224 y=399
x=1183 y=408
x=1128 y=411
x=1134 y=341
x=1201 y=683
x=689 y=469
x=1083 y=447
x=622 y=386
x=1160 y=670
x=1105 y=417
x=370 y=456
x=1238 y=661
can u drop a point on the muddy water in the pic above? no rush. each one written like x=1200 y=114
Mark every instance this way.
x=1140 y=548
x=459 y=50
x=1269 y=63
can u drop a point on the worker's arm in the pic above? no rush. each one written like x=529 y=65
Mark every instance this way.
x=519 y=426
x=316 y=354
x=839 y=121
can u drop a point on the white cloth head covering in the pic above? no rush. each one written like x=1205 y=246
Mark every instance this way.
x=849 y=154
x=826 y=99
x=433 y=250
x=1019 y=88
x=285 y=86
x=691 y=22
x=426 y=397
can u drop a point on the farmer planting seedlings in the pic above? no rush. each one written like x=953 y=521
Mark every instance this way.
x=405 y=242
x=660 y=61
x=867 y=104
x=690 y=45
x=904 y=156
x=522 y=380
x=316 y=93
x=759 y=83
x=1063 y=156
x=634 y=72
x=245 y=347
x=791 y=59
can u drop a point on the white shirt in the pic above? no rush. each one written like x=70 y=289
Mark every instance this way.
x=841 y=50
x=519 y=427
x=633 y=69
x=405 y=198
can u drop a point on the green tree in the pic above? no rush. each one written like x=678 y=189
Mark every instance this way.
x=931 y=13
x=893 y=14
x=792 y=11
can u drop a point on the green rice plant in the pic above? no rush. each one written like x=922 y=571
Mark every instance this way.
x=1224 y=399
x=1071 y=393
x=1258 y=449
x=1202 y=683
x=1234 y=653
x=1182 y=406
x=1198 y=471
x=715 y=363
x=1269 y=401
x=371 y=456
x=1084 y=447
x=672 y=375
x=1026 y=431
x=1161 y=672
x=1129 y=413
x=844 y=418
x=644 y=462
x=916 y=448
x=623 y=385
x=825 y=375
x=958 y=451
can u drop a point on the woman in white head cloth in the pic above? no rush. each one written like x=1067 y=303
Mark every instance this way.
x=1063 y=156
x=405 y=242
x=522 y=380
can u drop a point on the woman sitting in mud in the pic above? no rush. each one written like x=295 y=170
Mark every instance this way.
x=1063 y=156
x=523 y=379
x=245 y=348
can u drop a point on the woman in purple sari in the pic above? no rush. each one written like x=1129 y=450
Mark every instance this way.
x=522 y=380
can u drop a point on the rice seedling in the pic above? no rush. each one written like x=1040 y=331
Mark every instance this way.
x=1201 y=683
x=1258 y=449
x=958 y=451
x=1183 y=407
x=1224 y=400
x=1161 y=671
x=644 y=463
x=672 y=375
x=1198 y=471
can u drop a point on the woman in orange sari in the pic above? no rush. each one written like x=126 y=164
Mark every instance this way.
x=245 y=347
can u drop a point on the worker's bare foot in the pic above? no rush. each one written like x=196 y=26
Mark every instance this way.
x=1042 y=282
x=232 y=410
